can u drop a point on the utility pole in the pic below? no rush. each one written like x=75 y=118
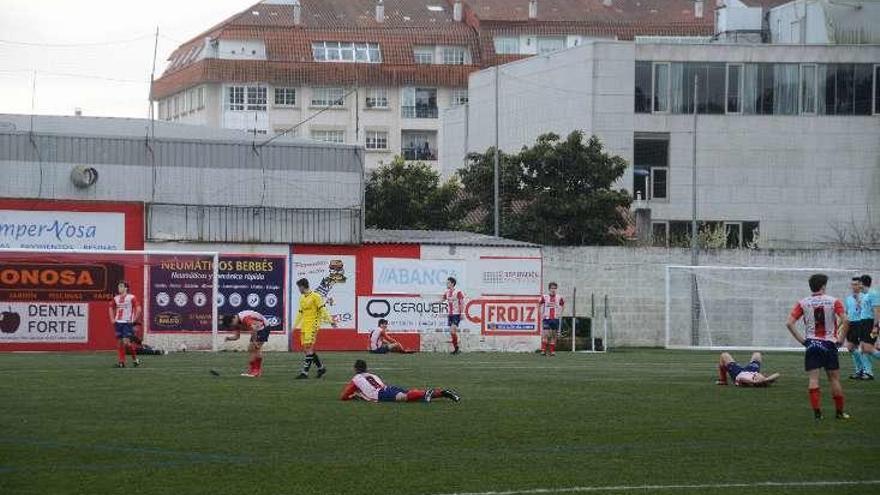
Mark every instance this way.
x=497 y=167
x=695 y=248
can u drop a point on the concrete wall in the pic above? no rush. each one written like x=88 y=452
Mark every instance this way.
x=634 y=279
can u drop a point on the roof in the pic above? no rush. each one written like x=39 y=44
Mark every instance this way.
x=408 y=23
x=440 y=237
x=764 y=4
x=115 y=127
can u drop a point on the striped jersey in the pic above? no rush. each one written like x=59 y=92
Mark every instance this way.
x=819 y=313
x=454 y=299
x=376 y=339
x=252 y=320
x=552 y=306
x=369 y=385
x=123 y=308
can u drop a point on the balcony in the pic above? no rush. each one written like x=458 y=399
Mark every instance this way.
x=418 y=146
x=419 y=112
x=419 y=154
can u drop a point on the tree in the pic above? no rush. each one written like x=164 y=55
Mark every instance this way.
x=558 y=192
x=402 y=195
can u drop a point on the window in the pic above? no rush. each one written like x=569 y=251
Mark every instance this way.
x=659 y=183
x=455 y=55
x=863 y=87
x=235 y=98
x=877 y=89
x=459 y=97
x=377 y=140
x=734 y=88
x=506 y=45
x=548 y=45
x=808 y=88
x=377 y=98
x=643 y=93
x=257 y=131
x=160 y=108
x=750 y=234
x=286 y=131
x=341 y=51
x=659 y=234
x=200 y=97
x=176 y=112
x=734 y=234
x=328 y=97
x=285 y=97
x=424 y=54
x=419 y=103
x=785 y=89
x=329 y=136
x=661 y=87
x=418 y=145
x=256 y=98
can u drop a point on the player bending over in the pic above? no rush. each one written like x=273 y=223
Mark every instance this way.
x=125 y=310
x=369 y=387
x=551 y=306
x=747 y=376
x=312 y=312
x=825 y=328
x=382 y=343
x=255 y=324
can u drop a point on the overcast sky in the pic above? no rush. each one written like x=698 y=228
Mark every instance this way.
x=93 y=54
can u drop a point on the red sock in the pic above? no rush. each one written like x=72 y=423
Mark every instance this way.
x=438 y=392
x=120 y=352
x=838 y=402
x=132 y=349
x=252 y=365
x=258 y=364
x=815 y=398
x=552 y=347
x=455 y=341
x=543 y=346
x=415 y=395
x=722 y=374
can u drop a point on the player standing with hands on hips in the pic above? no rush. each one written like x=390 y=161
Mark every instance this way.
x=454 y=300
x=551 y=306
x=125 y=310
x=825 y=327
x=312 y=312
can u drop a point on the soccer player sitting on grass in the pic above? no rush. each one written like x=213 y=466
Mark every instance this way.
x=369 y=387
x=747 y=376
x=825 y=327
x=255 y=324
x=382 y=343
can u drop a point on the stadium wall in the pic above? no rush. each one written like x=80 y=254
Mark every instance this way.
x=634 y=279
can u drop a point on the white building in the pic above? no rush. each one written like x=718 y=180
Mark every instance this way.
x=787 y=141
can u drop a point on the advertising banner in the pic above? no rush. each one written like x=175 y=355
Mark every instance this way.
x=333 y=277
x=39 y=322
x=255 y=283
x=180 y=291
x=404 y=314
x=505 y=316
x=30 y=229
x=499 y=276
x=412 y=276
x=58 y=281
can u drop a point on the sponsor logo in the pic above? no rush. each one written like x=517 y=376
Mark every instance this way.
x=41 y=322
x=511 y=317
x=49 y=277
x=168 y=319
x=9 y=321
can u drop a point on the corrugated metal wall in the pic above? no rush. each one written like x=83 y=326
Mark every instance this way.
x=200 y=190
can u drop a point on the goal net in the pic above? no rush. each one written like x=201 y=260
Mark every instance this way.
x=738 y=308
x=60 y=299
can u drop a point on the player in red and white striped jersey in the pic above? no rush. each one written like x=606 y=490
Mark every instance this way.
x=369 y=387
x=825 y=327
x=125 y=310
x=254 y=323
x=382 y=343
x=551 y=306
x=454 y=300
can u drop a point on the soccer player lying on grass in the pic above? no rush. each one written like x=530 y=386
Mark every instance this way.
x=255 y=324
x=369 y=387
x=748 y=376
x=382 y=343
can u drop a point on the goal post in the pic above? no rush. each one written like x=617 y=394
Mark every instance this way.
x=738 y=308
x=178 y=292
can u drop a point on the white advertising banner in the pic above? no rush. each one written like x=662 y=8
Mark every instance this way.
x=28 y=229
x=416 y=277
x=503 y=276
x=44 y=322
x=405 y=314
x=331 y=276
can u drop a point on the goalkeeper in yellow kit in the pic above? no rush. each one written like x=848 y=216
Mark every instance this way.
x=312 y=312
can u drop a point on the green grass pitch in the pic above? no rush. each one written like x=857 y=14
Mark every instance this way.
x=69 y=423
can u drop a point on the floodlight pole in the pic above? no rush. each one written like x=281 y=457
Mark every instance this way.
x=695 y=248
x=496 y=172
